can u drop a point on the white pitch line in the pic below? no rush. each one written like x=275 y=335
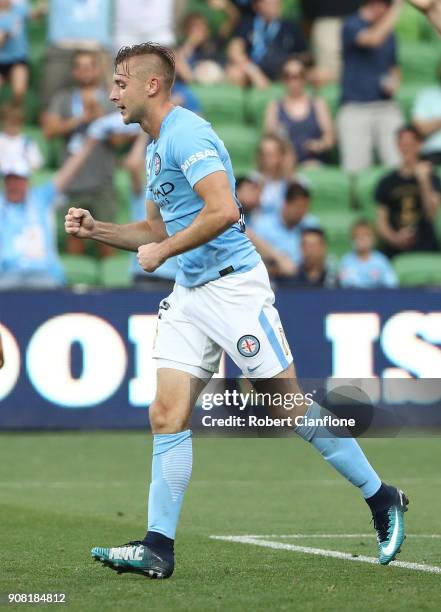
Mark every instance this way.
x=303 y=536
x=336 y=554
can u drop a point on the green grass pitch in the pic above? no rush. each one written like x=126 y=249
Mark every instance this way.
x=63 y=493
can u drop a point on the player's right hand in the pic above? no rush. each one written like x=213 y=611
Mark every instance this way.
x=79 y=222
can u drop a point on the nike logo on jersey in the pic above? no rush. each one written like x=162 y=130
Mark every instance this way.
x=127 y=553
x=251 y=370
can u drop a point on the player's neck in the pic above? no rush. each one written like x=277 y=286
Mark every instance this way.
x=152 y=122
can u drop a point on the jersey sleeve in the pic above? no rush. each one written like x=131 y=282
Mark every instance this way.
x=196 y=153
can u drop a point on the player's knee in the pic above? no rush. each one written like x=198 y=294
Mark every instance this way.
x=165 y=418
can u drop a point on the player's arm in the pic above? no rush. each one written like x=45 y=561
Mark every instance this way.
x=376 y=34
x=129 y=237
x=220 y=211
x=2 y=357
x=432 y=8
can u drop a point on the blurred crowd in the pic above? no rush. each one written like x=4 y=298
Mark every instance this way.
x=303 y=46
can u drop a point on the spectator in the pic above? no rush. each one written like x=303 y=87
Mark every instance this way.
x=369 y=117
x=248 y=192
x=275 y=163
x=280 y=233
x=14 y=143
x=303 y=120
x=200 y=54
x=28 y=252
x=326 y=19
x=316 y=269
x=74 y=25
x=140 y=20
x=221 y=15
x=69 y=115
x=427 y=119
x=261 y=44
x=408 y=200
x=162 y=279
x=363 y=267
x=14 y=48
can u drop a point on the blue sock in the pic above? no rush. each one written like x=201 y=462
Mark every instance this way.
x=344 y=454
x=171 y=471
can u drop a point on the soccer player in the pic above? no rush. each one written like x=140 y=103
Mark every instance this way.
x=432 y=8
x=222 y=300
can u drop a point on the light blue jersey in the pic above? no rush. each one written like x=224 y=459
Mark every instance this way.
x=371 y=273
x=187 y=151
x=286 y=239
x=169 y=268
x=13 y=22
x=27 y=234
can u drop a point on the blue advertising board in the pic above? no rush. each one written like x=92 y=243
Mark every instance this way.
x=83 y=360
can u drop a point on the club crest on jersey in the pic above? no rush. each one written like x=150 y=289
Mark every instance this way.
x=157 y=163
x=248 y=346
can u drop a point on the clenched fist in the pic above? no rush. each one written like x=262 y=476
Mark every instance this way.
x=79 y=223
x=151 y=256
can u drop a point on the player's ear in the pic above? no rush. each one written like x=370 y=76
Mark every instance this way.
x=152 y=86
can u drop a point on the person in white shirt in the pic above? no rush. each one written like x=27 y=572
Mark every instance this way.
x=14 y=144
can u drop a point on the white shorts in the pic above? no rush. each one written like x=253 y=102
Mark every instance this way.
x=234 y=314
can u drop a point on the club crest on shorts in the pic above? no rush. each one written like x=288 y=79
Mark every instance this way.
x=157 y=163
x=248 y=345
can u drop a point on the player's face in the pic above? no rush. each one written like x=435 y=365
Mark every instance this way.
x=129 y=95
x=15 y=189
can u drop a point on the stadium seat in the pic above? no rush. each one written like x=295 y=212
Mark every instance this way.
x=331 y=93
x=80 y=269
x=337 y=226
x=407 y=95
x=419 y=61
x=221 y=104
x=330 y=188
x=114 y=271
x=410 y=27
x=121 y=180
x=241 y=142
x=365 y=189
x=418 y=269
x=256 y=101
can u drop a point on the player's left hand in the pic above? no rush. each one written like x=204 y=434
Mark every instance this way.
x=151 y=256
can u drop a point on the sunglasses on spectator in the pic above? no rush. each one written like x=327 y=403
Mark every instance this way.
x=293 y=76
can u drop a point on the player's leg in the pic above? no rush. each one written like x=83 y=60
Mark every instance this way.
x=252 y=334
x=170 y=413
x=186 y=360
